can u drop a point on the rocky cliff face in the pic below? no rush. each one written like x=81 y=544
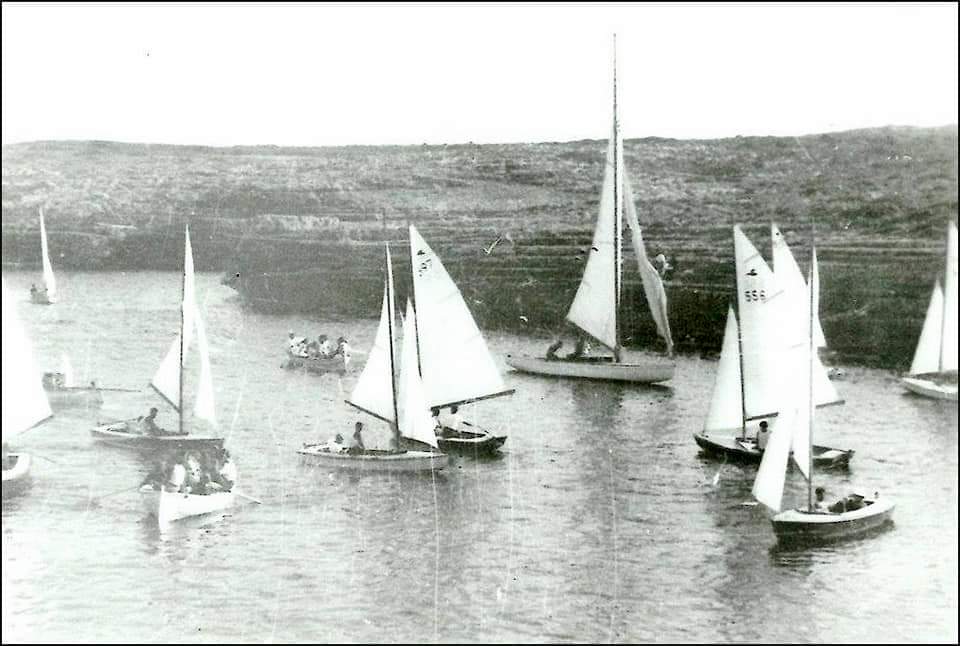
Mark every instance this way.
x=304 y=228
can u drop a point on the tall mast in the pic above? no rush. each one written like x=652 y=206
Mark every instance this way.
x=810 y=283
x=743 y=393
x=393 y=372
x=183 y=294
x=616 y=211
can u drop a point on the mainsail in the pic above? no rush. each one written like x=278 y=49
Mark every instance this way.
x=167 y=379
x=791 y=280
x=455 y=363
x=25 y=403
x=374 y=392
x=49 y=281
x=726 y=405
x=649 y=276
x=416 y=422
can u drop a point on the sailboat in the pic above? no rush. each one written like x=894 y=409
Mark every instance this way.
x=63 y=391
x=47 y=295
x=401 y=403
x=453 y=359
x=168 y=381
x=750 y=374
x=25 y=404
x=933 y=372
x=793 y=428
x=596 y=307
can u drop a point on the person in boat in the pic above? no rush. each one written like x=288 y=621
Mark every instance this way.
x=324 y=349
x=579 y=350
x=763 y=435
x=228 y=471
x=820 y=504
x=148 y=424
x=663 y=266
x=553 y=349
x=452 y=420
x=355 y=447
x=343 y=350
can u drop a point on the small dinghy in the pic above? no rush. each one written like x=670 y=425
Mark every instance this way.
x=793 y=430
x=128 y=435
x=63 y=392
x=316 y=365
x=471 y=441
x=400 y=402
x=733 y=449
x=48 y=294
x=25 y=404
x=933 y=372
x=170 y=506
x=650 y=370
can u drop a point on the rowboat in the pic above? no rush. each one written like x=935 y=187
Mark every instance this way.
x=401 y=403
x=127 y=435
x=63 y=392
x=168 y=506
x=25 y=404
x=472 y=440
x=933 y=372
x=316 y=365
x=595 y=310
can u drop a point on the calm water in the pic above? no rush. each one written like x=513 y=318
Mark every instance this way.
x=598 y=523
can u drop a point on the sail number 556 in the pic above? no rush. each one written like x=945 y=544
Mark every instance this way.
x=752 y=295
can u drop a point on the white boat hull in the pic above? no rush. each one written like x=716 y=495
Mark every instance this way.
x=169 y=506
x=930 y=388
x=646 y=371
x=328 y=455
x=17 y=478
x=796 y=526
x=117 y=434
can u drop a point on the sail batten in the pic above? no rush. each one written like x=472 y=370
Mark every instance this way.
x=454 y=360
x=25 y=402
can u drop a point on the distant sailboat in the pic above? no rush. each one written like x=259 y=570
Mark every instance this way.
x=750 y=378
x=933 y=372
x=47 y=295
x=25 y=404
x=168 y=381
x=792 y=431
x=401 y=403
x=63 y=391
x=455 y=364
x=596 y=307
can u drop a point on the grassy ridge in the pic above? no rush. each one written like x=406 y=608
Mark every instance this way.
x=303 y=226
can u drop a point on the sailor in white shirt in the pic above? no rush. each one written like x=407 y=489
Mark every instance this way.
x=451 y=420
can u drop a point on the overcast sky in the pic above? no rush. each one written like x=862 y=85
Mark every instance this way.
x=377 y=74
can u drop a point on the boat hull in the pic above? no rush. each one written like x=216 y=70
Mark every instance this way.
x=732 y=449
x=407 y=461
x=930 y=388
x=16 y=479
x=797 y=527
x=470 y=442
x=316 y=366
x=168 y=506
x=41 y=298
x=74 y=397
x=116 y=434
x=646 y=371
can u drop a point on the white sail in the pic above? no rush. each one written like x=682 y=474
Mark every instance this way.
x=455 y=363
x=768 y=485
x=760 y=304
x=649 y=276
x=791 y=280
x=594 y=308
x=203 y=407
x=67 y=370
x=374 y=390
x=927 y=357
x=166 y=381
x=25 y=403
x=49 y=281
x=824 y=392
x=948 y=350
x=416 y=422
x=726 y=410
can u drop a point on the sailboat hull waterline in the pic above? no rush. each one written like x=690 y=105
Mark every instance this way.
x=647 y=371
x=930 y=388
x=16 y=479
x=328 y=455
x=118 y=434
x=800 y=527
x=733 y=449
x=169 y=506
